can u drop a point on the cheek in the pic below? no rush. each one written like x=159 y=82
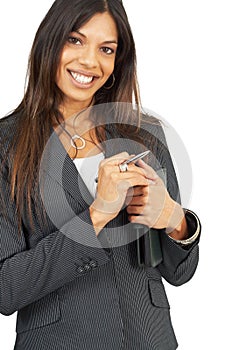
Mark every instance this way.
x=67 y=55
x=59 y=72
x=109 y=67
x=58 y=77
x=64 y=59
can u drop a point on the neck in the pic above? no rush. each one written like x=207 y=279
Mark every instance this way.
x=69 y=109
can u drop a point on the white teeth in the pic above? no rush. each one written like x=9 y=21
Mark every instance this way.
x=82 y=79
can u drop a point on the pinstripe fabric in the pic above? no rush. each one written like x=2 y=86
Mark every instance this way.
x=80 y=296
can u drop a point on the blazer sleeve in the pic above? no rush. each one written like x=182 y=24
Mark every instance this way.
x=27 y=275
x=179 y=263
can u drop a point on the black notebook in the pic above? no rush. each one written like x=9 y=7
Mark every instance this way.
x=149 y=251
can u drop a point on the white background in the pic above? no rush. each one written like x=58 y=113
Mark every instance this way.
x=185 y=66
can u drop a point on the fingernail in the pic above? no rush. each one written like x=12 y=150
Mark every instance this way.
x=151 y=182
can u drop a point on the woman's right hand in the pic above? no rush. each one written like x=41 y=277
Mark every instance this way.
x=112 y=188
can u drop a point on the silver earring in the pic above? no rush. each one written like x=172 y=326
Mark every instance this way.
x=113 y=82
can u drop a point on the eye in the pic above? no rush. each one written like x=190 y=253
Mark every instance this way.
x=107 y=50
x=74 y=40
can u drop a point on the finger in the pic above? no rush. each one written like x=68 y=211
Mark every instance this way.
x=117 y=159
x=123 y=155
x=126 y=179
x=137 y=191
x=139 y=200
x=150 y=172
x=139 y=219
x=134 y=210
x=132 y=178
x=132 y=193
x=120 y=155
x=132 y=168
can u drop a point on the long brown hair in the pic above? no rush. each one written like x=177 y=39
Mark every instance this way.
x=39 y=108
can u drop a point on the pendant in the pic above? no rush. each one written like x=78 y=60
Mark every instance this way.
x=77 y=137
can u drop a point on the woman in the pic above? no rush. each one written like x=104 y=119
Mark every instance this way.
x=68 y=244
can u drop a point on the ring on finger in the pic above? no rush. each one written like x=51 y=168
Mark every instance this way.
x=123 y=167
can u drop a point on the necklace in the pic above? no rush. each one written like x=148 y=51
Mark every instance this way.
x=77 y=137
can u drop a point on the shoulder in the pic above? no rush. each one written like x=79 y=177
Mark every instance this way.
x=8 y=129
x=8 y=126
x=8 y=122
x=153 y=126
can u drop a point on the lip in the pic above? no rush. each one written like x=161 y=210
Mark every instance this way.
x=82 y=72
x=87 y=74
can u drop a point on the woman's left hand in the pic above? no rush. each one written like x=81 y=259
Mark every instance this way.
x=152 y=205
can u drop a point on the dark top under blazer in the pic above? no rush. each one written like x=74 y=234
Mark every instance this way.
x=72 y=296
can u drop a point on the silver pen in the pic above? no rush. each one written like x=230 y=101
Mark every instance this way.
x=137 y=157
x=132 y=159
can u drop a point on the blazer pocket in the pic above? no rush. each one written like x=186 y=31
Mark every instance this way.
x=38 y=314
x=158 y=294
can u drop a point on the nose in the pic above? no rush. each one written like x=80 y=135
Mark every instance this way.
x=88 y=57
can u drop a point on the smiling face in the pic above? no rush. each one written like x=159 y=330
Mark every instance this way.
x=87 y=61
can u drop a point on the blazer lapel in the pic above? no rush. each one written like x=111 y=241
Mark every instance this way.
x=58 y=165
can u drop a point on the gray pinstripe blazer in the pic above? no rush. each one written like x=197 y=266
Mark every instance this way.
x=73 y=296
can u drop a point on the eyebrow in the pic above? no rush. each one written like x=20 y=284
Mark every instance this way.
x=104 y=42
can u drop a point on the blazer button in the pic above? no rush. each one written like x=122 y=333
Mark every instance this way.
x=80 y=269
x=93 y=264
x=87 y=267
